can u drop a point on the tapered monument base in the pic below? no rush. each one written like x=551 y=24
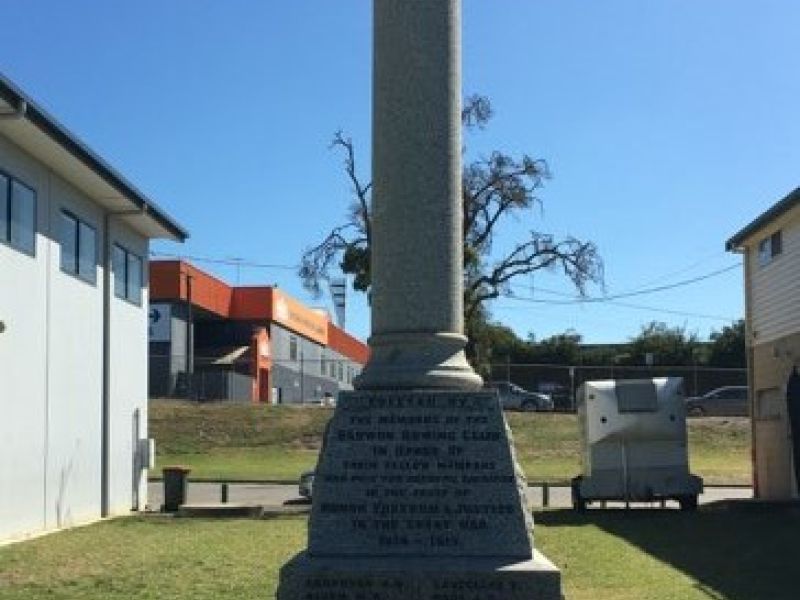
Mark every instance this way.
x=418 y=496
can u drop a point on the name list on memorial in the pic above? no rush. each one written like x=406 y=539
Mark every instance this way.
x=422 y=474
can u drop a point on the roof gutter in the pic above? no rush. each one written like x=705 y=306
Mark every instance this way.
x=18 y=113
x=736 y=242
x=27 y=108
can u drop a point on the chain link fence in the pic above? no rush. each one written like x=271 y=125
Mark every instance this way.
x=299 y=381
x=562 y=381
x=314 y=381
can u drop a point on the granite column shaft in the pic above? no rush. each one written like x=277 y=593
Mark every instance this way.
x=417 y=336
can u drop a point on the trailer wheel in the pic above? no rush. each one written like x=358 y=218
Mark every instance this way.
x=578 y=501
x=688 y=503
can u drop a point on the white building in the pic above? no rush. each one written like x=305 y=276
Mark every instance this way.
x=74 y=238
x=770 y=246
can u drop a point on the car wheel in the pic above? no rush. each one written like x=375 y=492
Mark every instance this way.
x=578 y=501
x=528 y=406
x=688 y=503
x=697 y=411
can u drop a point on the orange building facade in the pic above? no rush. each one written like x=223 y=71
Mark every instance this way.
x=213 y=341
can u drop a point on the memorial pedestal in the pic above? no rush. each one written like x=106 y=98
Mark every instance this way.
x=418 y=495
x=418 y=579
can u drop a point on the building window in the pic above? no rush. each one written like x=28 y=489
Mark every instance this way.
x=127 y=275
x=17 y=215
x=292 y=348
x=341 y=372
x=78 y=248
x=769 y=248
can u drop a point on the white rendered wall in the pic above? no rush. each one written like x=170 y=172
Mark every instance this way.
x=128 y=382
x=75 y=374
x=51 y=359
x=23 y=365
x=775 y=287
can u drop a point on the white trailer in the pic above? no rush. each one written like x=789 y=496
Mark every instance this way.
x=634 y=443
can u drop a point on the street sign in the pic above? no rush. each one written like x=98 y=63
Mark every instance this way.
x=159 y=323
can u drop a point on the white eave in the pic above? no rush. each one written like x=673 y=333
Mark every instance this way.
x=777 y=211
x=38 y=134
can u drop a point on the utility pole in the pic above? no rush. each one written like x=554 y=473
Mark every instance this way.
x=302 y=376
x=189 y=339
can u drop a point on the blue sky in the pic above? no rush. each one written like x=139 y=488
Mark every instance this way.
x=668 y=126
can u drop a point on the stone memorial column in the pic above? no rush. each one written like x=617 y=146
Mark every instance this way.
x=417 y=493
x=417 y=266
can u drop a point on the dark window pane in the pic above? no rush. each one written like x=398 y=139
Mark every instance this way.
x=776 y=243
x=636 y=396
x=69 y=244
x=88 y=253
x=119 y=262
x=764 y=252
x=23 y=217
x=134 y=279
x=3 y=208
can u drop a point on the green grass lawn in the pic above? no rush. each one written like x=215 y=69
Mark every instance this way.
x=720 y=553
x=239 y=442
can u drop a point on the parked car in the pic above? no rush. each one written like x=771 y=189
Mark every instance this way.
x=560 y=394
x=728 y=401
x=306 y=485
x=513 y=397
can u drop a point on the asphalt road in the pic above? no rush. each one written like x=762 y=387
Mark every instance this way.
x=277 y=495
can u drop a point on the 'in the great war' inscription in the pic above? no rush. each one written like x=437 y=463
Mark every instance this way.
x=418 y=474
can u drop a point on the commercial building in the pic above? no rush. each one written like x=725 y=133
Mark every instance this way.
x=74 y=237
x=213 y=341
x=770 y=246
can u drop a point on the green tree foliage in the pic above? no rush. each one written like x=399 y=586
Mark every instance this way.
x=668 y=345
x=560 y=349
x=727 y=348
x=492 y=343
x=673 y=346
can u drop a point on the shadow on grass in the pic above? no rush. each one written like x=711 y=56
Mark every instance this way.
x=735 y=551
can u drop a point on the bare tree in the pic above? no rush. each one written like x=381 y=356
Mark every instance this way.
x=495 y=188
x=349 y=242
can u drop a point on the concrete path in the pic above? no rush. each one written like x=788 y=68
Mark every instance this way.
x=276 y=495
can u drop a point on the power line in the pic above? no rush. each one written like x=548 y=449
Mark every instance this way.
x=679 y=313
x=232 y=262
x=235 y=262
x=661 y=288
x=669 y=311
x=635 y=306
x=679 y=271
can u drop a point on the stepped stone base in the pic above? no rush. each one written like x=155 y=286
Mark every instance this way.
x=391 y=578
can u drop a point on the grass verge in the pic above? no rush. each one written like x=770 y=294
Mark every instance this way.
x=726 y=554
x=243 y=442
